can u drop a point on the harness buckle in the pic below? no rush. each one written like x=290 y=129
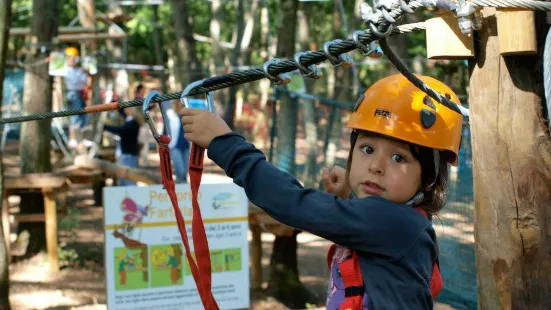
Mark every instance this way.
x=354 y=291
x=147 y=105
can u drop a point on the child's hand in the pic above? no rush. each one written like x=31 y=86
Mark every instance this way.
x=335 y=181
x=201 y=126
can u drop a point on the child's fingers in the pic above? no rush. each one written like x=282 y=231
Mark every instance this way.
x=188 y=128
x=334 y=176
x=189 y=111
x=188 y=119
x=325 y=177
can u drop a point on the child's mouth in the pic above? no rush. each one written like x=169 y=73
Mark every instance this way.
x=372 y=189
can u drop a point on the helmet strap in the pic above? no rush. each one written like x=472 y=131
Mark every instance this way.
x=421 y=195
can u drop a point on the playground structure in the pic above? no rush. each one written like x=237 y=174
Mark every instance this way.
x=261 y=221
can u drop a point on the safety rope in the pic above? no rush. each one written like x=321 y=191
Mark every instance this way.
x=379 y=20
x=228 y=80
x=418 y=83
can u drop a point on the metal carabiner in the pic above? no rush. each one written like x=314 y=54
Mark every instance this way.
x=185 y=102
x=149 y=120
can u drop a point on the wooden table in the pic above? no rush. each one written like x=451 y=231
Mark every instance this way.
x=50 y=186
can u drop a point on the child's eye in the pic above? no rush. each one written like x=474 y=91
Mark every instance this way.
x=367 y=149
x=398 y=158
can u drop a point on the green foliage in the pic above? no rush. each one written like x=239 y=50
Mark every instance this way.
x=319 y=16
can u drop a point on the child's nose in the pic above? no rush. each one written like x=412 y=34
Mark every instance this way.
x=376 y=165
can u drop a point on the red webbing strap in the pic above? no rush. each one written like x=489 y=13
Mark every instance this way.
x=330 y=255
x=353 y=282
x=201 y=274
x=200 y=242
x=436 y=281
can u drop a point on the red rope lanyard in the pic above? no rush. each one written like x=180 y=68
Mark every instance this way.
x=201 y=270
x=200 y=267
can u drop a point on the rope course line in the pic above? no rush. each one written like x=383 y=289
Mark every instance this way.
x=380 y=22
x=223 y=81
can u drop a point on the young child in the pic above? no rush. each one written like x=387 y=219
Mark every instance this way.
x=396 y=175
x=129 y=147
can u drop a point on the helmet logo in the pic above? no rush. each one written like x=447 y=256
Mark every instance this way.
x=382 y=113
x=428 y=118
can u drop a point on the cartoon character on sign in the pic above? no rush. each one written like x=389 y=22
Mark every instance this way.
x=133 y=215
x=126 y=263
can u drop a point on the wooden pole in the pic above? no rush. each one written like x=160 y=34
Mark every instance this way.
x=50 y=213
x=134 y=174
x=256 y=257
x=24 y=31
x=511 y=175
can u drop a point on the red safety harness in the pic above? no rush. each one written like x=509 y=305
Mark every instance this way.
x=201 y=267
x=352 y=278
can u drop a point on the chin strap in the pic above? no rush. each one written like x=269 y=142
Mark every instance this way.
x=421 y=195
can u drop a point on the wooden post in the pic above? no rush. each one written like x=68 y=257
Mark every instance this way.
x=50 y=213
x=256 y=257
x=6 y=222
x=511 y=175
x=445 y=40
x=517 y=31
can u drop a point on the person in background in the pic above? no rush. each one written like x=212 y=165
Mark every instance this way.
x=128 y=133
x=179 y=146
x=144 y=132
x=75 y=80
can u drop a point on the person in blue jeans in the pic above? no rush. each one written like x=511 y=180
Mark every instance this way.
x=76 y=80
x=179 y=146
x=129 y=147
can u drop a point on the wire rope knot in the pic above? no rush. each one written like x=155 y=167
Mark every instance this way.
x=312 y=71
x=280 y=79
x=373 y=50
x=373 y=17
x=343 y=60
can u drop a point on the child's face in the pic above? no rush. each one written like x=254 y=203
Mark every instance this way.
x=383 y=167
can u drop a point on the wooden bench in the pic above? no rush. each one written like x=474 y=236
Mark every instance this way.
x=52 y=187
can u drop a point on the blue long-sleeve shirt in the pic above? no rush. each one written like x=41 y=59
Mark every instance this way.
x=128 y=132
x=395 y=243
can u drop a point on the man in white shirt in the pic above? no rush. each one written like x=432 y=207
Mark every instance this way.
x=75 y=80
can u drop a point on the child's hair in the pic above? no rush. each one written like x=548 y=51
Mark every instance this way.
x=436 y=197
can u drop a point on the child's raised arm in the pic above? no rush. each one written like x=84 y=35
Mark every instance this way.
x=371 y=224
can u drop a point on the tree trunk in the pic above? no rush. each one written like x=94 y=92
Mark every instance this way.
x=221 y=97
x=512 y=175
x=266 y=43
x=284 y=283
x=236 y=53
x=5 y=21
x=310 y=121
x=34 y=148
x=343 y=78
x=191 y=68
x=158 y=44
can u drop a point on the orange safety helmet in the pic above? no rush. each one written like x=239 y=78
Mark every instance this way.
x=71 y=51
x=394 y=107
